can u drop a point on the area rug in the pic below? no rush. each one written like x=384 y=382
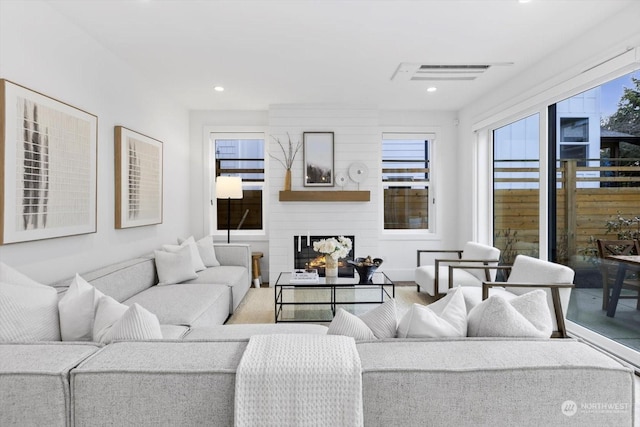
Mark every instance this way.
x=258 y=305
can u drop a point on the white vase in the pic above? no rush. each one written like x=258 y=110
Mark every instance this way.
x=330 y=266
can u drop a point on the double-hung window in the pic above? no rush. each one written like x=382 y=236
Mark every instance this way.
x=406 y=181
x=574 y=139
x=239 y=154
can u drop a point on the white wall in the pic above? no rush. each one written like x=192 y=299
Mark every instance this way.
x=42 y=50
x=357 y=137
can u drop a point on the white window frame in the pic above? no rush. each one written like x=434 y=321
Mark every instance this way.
x=211 y=218
x=431 y=184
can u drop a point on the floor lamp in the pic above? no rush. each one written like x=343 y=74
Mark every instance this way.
x=228 y=187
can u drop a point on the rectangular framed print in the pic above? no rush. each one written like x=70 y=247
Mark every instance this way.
x=48 y=166
x=138 y=164
x=318 y=159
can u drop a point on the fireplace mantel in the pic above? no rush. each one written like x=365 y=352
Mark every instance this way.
x=325 y=196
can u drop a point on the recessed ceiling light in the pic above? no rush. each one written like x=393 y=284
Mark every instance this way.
x=524 y=1
x=218 y=89
x=432 y=89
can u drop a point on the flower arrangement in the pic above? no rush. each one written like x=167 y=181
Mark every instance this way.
x=289 y=154
x=336 y=248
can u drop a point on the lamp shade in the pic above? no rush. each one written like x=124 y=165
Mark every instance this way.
x=229 y=187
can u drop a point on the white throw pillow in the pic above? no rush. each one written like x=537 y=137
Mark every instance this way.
x=527 y=315
x=381 y=322
x=345 y=323
x=198 y=265
x=13 y=276
x=108 y=312
x=137 y=323
x=116 y=321
x=473 y=294
x=446 y=317
x=174 y=267
x=28 y=309
x=28 y=313
x=77 y=310
x=207 y=251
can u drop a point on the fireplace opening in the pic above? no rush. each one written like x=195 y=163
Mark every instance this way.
x=306 y=257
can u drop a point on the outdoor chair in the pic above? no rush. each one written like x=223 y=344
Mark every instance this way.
x=433 y=279
x=525 y=275
x=609 y=268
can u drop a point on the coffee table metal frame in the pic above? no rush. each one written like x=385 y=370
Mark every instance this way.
x=379 y=281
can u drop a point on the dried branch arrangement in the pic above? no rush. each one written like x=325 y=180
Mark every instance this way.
x=289 y=153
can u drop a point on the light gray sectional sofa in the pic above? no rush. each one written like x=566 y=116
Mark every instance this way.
x=34 y=382
x=207 y=300
x=405 y=382
x=189 y=377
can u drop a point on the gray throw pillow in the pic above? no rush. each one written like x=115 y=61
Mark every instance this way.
x=174 y=267
x=527 y=315
x=380 y=322
x=206 y=249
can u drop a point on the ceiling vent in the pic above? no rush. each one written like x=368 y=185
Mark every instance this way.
x=441 y=72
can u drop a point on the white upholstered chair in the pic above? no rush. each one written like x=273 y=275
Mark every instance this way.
x=525 y=275
x=434 y=279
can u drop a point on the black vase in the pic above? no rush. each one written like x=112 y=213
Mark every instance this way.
x=365 y=271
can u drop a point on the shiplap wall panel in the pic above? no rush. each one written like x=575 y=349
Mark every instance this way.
x=356 y=138
x=357 y=131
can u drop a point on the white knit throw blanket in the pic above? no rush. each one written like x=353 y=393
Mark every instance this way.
x=299 y=380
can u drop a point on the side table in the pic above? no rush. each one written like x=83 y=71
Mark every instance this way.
x=255 y=270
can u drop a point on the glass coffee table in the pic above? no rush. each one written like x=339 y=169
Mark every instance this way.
x=318 y=302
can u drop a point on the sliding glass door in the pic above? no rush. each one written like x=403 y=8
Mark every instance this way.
x=594 y=144
x=589 y=153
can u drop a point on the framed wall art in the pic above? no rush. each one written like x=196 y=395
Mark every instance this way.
x=138 y=161
x=48 y=166
x=318 y=159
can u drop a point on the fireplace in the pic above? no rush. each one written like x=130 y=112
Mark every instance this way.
x=306 y=257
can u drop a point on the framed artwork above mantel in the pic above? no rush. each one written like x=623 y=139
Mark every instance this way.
x=318 y=159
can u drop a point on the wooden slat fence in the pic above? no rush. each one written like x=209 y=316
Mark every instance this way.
x=582 y=212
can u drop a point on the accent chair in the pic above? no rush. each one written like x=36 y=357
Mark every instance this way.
x=525 y=275
x=434 y=279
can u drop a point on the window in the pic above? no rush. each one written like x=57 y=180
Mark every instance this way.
x=575 y=152
x=570 y=151
x=240 y=154
x=406 y=180
x=516 y=188
x=574 y=129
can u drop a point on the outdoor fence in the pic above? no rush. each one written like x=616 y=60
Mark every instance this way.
x=586 y=198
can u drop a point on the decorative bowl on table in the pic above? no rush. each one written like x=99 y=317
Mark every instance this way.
x=365 y=267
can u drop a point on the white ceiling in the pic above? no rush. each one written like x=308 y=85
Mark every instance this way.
x=336 y=52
